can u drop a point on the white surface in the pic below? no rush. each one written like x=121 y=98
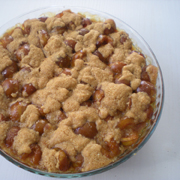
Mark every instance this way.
x=158 y=23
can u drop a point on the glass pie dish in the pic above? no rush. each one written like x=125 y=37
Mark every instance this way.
x=139 y=45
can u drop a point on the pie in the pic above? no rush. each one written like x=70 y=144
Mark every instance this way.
x=75 y=93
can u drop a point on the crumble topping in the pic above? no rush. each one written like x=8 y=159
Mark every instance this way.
x=74 y=93
x=4 y=126
x=115 y=98
x=93 y=157
x=140 y=101
x=30 y=116
x=24 y=138
x=5 y=59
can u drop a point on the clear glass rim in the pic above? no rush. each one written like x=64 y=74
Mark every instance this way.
x=145 y=138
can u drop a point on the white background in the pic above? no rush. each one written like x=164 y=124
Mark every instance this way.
x=158 y=22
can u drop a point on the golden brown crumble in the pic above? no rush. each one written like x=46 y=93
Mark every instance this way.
x=74 y=93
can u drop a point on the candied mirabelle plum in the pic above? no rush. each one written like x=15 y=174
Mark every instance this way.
x=3 y=118
x=147 y=87
x=78 y=163
x=83 y=31
x=36 y=153
x=149 y=112
x=144 y=74
x=59 y=29
x=26 y=29
x=125 y=122
x=16 y=110
x=108 y=31
x=10 y=87
x=123 y=81
x=64 y=161
x=110 y=149
x=64 y=62
x=112 y=29
x=71 y=43
x=103 y=39
x=22 y=51
x=28 y=89
x=98 y=95
x=59 y=15
x=41 y=111
x=43 y=18
x=12 y=132
x=87 y=103
x=6 y=39
x=43 y=37
x=108 y=118
x=86 y=22
x=88 y=130
x=62 y=116
x=34 y=156
x=77 y=55
x=140 y=53
x=130 y=139
x=9 y=71
x=117 y=67
x=39 y=126
x=123 y=38
x=118 y=80
x=100 y=56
